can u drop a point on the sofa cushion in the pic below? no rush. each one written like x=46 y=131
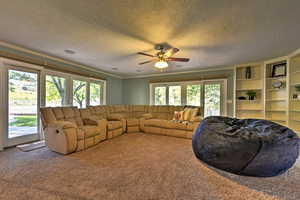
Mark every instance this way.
x=115 y=117
x=47 y=116
x=133 y=122
x=170 y=124
x=147 y=116
x=68 y=112
x=111 y=125
x=90 y=131
x=59 y=115
x=85 y=113
x=91 y=122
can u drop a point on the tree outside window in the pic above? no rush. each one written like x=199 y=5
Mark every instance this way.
x=160 y=95
x=79 y=93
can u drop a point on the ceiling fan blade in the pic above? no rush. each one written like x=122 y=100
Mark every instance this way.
x=179 y=59
x=145 y=54
x=171 y=52
x=149 y=61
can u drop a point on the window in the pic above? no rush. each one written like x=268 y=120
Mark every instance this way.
x=22 y=103
x=55 y=91
x=193 y=95
x=95 y=94
x=175 y=95
x=210 y=94
x=79 y=93
x=160 y=96
x=212 y=97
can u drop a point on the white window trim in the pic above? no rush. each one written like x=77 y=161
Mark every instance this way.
x=69 y=86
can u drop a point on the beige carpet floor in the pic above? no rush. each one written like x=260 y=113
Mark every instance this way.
x=132 y=166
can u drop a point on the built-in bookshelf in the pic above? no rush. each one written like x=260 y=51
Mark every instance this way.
x=249 y=91
x=276 y=93
x=294 y=93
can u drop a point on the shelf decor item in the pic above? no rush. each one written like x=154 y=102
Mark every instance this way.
x=251 y=95
x=297 y=95
x=248 y=74
x=242 y=98
x=279 y=70
x=277 y=84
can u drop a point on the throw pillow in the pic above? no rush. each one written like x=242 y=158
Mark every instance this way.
x=178 y=115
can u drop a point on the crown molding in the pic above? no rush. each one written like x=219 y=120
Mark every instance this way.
x=36 y=53
x=93 y=69
x=184 y=72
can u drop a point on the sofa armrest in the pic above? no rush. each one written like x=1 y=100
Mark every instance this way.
x=61 y=137
x=62 y=124
x=147 y=116
x=197 y=118
x=114 y=117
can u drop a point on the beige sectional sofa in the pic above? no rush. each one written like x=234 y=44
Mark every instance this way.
x=69 y=129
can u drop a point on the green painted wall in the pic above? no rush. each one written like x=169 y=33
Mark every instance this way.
x=136 y=91
x=114 y=85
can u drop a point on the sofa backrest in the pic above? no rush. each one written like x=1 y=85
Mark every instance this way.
x=136 y=111
x=73 y=114
x=52 y=114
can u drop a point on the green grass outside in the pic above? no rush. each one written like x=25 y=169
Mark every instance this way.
x=20 y=121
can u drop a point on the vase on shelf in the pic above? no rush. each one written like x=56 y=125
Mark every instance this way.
x=248 y=74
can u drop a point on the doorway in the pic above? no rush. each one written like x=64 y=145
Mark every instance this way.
x=22 y=112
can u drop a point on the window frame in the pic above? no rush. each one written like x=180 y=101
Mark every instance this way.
x=184 y=84
x=69 y=87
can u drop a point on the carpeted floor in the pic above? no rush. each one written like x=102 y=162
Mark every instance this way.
x=132 y=166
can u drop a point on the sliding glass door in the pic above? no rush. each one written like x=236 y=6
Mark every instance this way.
x=214 y=98
x=23 y=106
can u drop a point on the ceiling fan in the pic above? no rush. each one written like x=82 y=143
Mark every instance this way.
x=163 y=57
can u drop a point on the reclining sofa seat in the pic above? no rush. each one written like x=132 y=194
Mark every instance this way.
x=67 y=131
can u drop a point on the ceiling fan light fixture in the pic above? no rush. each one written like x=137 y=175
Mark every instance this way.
x=161 y=64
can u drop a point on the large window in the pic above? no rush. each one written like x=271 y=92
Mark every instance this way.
x=55 y=91
x=175 y=95
x=66 y=89
x=193 y=95
x=160 y=95
x=95 y=94
x=79 y=93
x=209 y=94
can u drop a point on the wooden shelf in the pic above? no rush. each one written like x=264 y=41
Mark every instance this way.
x=294 y=84
x=295 y=100
x=276 y=111
x=295 y=72
x=255 y=89
x=276 y=89
x=277 y=120
x=245 y=79
x=248 y=101
x=276 y=78
x=250 y=110
x=294 y=110
x=295 y=120
x=274 y=100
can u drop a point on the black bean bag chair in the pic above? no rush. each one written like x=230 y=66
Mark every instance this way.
x=249 y=147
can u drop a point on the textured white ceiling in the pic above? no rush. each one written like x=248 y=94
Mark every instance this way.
x=108 y=33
